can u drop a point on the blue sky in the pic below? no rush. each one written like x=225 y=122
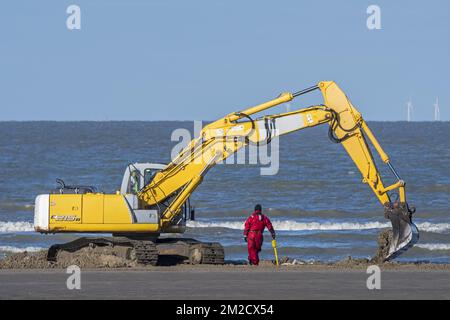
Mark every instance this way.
x=185 y=60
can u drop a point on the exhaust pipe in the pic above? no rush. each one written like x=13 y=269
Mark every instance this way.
x=404 y=232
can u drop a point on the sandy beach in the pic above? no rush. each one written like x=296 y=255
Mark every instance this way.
x=30 y=276
x=231 y=282
x=104 y=275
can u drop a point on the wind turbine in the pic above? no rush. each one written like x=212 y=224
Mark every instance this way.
x=437 y=111
x=409 y=110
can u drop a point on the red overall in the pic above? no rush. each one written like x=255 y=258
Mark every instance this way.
x=253 y=231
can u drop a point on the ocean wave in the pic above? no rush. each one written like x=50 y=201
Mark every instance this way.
x=433 y=227
x=434 y=246
x=18 y=226
x=284 y=213
x=17 y=249
x=292 y=214
x=285 y=225
x=289 y=225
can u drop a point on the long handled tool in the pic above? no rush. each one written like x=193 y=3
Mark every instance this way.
x=274 y=246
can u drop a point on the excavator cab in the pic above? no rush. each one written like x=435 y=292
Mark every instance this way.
x=143 y=246
x=136 y=177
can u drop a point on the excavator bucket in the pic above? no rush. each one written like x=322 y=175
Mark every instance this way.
x=404 y=232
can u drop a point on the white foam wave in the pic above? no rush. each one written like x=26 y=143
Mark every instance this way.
x=434 y=246
x=17 y=226
x=284 y=225
x=17 y=249
x=290 y=225
x=433 y=227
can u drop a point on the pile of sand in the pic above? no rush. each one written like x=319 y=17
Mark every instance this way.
x=384 y=240
x=97 y=257
x=25 y=260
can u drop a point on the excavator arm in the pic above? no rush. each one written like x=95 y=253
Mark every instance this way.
x=222 y=138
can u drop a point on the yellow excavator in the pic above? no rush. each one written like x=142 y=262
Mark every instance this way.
x=154 y=198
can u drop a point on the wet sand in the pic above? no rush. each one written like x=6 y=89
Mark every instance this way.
x=230 y=282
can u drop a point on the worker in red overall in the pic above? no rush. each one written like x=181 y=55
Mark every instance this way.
x=253 y=233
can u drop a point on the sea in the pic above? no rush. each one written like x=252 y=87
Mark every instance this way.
x=307 y=185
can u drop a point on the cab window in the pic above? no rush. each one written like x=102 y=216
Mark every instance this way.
x=148 y=175
x=134 y=185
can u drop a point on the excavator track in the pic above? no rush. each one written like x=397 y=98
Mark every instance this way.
x=207 y=253
x=144 y=252
x=191 y=251
x=147 y=252
x=73 y=246
x=213 y=253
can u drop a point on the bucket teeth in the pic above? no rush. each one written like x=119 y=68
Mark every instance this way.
x=404 y=232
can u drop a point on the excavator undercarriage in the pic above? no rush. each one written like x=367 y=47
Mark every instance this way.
x=161 y=251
